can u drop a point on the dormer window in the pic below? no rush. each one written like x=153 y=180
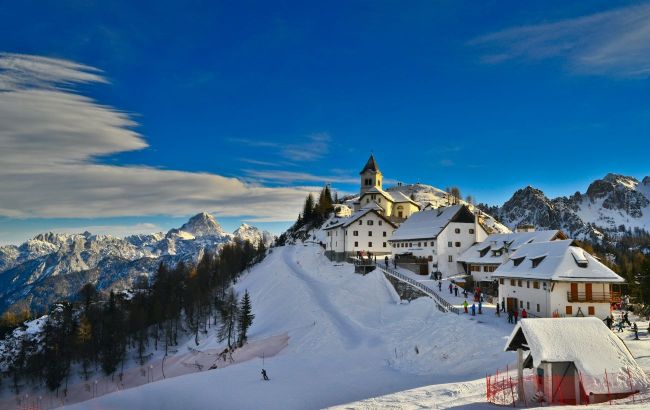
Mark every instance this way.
x=536 y=261
x=580 y=257
x=484 y=251
x=517 y=261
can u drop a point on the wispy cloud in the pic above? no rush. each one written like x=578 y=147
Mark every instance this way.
x=615 y=42
x=50 y=137
x=277 y=176
x=311 y=148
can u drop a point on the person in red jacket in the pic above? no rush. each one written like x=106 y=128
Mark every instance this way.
x=516 y=315
x=524 y=314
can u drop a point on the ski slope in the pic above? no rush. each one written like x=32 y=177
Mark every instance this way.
x=347 y=340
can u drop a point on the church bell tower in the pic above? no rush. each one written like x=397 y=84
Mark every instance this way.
x=371 y=176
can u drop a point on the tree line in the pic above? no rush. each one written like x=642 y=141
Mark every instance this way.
x=314 y=213
x=96 y=332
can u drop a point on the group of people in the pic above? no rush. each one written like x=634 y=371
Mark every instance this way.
x=513 y=314
x=620 y=325
x=472 y=308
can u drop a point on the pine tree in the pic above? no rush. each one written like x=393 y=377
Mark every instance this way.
x=308 y=209
x=246 y=317
x=229 y=312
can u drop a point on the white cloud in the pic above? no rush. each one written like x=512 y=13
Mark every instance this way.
x=289 y=176
x=615 y=42
x=50 y=138
x=314 y=147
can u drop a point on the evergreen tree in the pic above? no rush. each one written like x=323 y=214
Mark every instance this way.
x=246 y=317
x=229 y=312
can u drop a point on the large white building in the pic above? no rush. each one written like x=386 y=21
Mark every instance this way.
x=556 y=279
x=366 y=230
x=437 y=236
x=483 y=258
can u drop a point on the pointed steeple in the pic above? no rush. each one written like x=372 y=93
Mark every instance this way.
x=371 y=165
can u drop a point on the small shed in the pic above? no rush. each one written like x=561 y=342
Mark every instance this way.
x=575 y=361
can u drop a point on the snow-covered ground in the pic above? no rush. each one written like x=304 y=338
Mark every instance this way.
x=331 y=337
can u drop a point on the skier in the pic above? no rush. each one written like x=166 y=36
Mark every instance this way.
x=264 y=375
x=480 y=307
x=515 y=314
x=608 y=321
x=465 y=305
x=456 y=291
x=451 y=288
x=626 y=319
x=635 y=328
x=524 y=314
x=620 y=326
x=473 y=309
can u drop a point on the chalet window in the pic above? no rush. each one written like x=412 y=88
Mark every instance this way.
x=521 y=304
x=519 y=283
x=384 y=234
x=369 y=233
x=356 y=244
x=512 y=282
x=483 y=251
x=370 y=222
x=380 y=222
x=419 y=244
x=528 y=305
x=360 y=222
x=379 y=202
x=517 y=261
x=537 y=261
x=370 y=244
x=501 y=281
x=373 y=196
x=535 y=284
x=431 y=243
x=569 y=310
x=471 y=232
x=410 y=244
x=355 y=233
x=450 y=244
x=384 y=244
x=451 y=258
x=591 y=310
x=538 y=307
x=458 y=244
x=457 y=230
x=528 y=284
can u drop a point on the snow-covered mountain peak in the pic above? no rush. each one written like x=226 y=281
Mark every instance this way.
x=203 y=224
x=252 y=234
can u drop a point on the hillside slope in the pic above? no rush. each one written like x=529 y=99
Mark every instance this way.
x=347 y=340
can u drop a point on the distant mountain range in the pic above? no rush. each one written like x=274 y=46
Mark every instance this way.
x=614 y=206
x=54 y=266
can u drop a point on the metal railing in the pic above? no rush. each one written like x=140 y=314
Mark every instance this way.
x=604 y=297
x=446 y=306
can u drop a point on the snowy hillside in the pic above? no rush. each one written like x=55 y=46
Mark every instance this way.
x=612 y=205
x=52 y=266
x=346 y=339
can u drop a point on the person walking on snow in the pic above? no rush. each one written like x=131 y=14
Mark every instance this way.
x=635 y=328
x=498 y=308
x=626 y=319
x=524 y=314
x=456 y=291
x=515 y=314
x=465 y=305
x=608 y=321
x=473 y=309
x=510 y=316
x=480 y=307
x=439 y=286
x=264 y=375
x=620 y=325
x=451 y=288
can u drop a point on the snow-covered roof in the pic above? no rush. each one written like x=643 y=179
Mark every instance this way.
x=400 y=197
x=371 y=207
x=375 y=190
x=556 y=260
x=482 y=252
x=586 y=342
x=428 y=224
x=371 y=165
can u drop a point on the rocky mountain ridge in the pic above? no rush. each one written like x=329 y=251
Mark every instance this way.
x=56 y=265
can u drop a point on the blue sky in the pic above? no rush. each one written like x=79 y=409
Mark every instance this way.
x=240 y=108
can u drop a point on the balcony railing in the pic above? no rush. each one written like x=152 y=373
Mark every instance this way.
x=603 y=297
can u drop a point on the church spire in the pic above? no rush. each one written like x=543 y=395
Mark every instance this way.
x=371 y=165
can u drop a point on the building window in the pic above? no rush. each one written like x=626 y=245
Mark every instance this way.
x=471 y=231
x=431 y=243
x=457 y=230
x=356 y=244
x=355 y=233
x=410 y=244
x=569 y=310
x=380 y=223
x=384 y=234
x=370 y=222
x=528 y=284
x=450 y=244
x=538 y=307
x=360 y=222
x=419 y=244
x=591 y=310
x=521 y=304
x=501 y=281
x=370 y=244
x=519 y=283
x=384 y=244
x=528 y=305
x=369 y=233
x=451 y=258
x=535 y=285
x=512 y=282
x=458 y=244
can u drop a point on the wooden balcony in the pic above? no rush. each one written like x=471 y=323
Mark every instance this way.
x=596 y=297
